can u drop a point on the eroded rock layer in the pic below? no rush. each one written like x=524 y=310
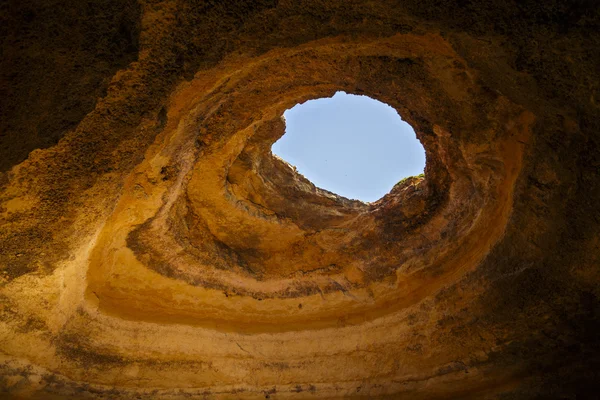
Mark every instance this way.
x=159 y=249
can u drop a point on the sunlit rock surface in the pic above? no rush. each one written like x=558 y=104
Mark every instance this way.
x=160 y=251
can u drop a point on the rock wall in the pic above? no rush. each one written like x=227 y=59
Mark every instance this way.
x=159 y=251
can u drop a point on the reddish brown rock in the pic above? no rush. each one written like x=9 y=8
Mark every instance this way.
x=160 y=251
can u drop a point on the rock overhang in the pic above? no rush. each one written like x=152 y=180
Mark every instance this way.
x=160 y=249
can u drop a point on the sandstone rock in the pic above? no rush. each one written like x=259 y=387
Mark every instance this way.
x=160 y=251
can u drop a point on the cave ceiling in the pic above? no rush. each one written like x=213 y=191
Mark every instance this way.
x=152 y=247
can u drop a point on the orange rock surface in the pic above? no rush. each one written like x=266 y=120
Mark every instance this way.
x=152 y=247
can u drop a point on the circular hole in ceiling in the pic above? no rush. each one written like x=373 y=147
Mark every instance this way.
x=351 y=145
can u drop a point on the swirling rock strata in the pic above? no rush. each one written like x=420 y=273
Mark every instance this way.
x=159 y=249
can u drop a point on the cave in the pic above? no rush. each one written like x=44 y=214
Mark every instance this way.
x=152 y=247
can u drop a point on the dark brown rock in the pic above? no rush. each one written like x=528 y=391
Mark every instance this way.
x=159 y=250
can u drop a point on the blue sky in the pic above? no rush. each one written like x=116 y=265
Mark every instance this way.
x=351 y=145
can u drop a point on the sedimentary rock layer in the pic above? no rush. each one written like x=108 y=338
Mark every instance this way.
x=159 y=249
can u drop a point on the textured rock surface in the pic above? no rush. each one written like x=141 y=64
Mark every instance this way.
x=159 y=250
